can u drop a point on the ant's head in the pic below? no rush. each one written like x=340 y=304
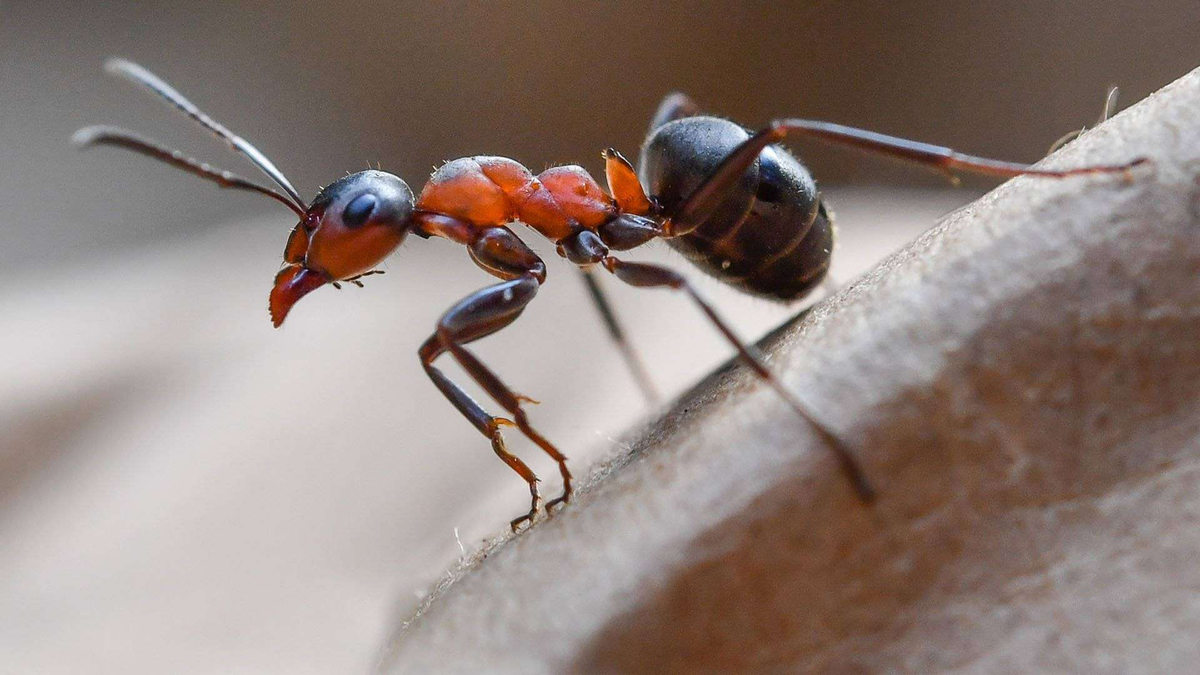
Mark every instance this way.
x=351 y=226
x=355 y=222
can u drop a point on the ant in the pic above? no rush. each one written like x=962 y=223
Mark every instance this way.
x=735 y=203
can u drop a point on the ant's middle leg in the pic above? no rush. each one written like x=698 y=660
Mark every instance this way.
x=633 y=362
x=655 y=276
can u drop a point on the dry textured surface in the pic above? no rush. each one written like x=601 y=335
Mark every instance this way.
x=185 y=489
x=1022 y=383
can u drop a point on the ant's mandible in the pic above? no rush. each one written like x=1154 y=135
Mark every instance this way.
x=736 y=204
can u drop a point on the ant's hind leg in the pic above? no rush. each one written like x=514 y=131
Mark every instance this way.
x=703 y=202
x=655 y=276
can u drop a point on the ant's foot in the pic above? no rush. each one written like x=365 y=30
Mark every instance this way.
x=560 y=501
x=527 y=518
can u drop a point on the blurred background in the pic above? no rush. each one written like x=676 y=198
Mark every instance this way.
x=183 y=488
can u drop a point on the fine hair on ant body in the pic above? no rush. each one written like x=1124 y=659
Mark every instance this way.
x=736 y=204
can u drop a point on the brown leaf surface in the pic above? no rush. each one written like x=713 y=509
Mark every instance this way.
x=1022 y=384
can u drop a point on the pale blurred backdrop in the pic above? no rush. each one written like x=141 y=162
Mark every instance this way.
x=185 y=489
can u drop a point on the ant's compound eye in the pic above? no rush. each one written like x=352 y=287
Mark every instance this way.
x=363 y=200
x=359 y=209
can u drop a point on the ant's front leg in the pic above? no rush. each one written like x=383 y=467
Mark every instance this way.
x=502 y=253
x=480 y=314
x=488 y=425
x=357 y=280
x=475 y=316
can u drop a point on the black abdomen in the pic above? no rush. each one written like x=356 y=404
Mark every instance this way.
x=771 y=237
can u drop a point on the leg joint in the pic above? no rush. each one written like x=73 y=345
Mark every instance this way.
x=583 y=248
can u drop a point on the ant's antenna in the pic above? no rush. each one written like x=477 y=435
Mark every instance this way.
x=123 y=138
x=149 y=80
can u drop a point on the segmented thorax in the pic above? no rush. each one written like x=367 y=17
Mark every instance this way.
x=492 y=191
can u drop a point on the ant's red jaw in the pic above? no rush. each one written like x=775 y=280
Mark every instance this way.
x=291 y=284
